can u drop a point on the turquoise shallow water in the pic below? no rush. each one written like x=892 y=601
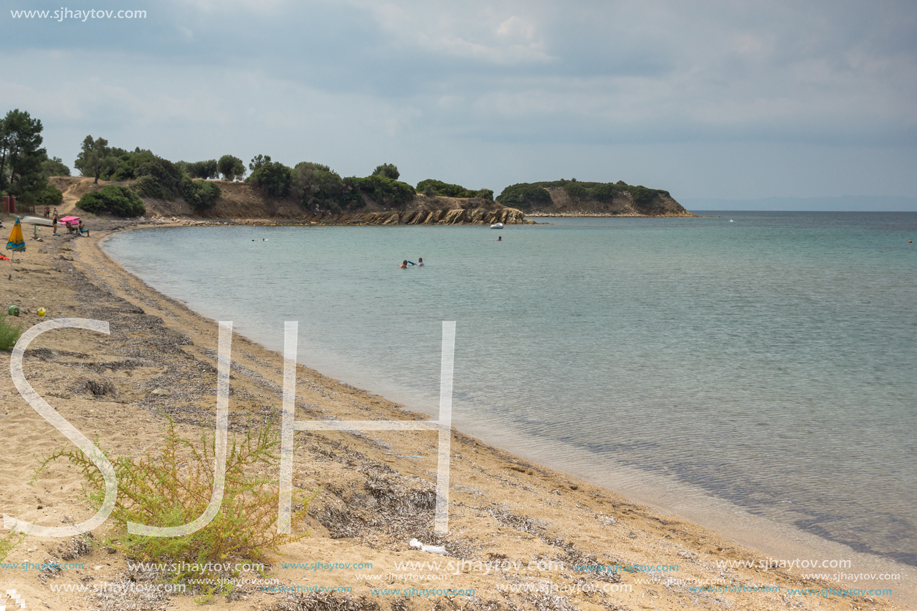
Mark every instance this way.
x=770 y=361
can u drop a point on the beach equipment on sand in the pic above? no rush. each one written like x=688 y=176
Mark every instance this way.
x=36 y=220
x=41 y=311
x=433 y=549
x=16 y=243
x=13 y=311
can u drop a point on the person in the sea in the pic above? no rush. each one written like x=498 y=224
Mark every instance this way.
x=499 y=238
x=404 y=264
x=82 y=230
x=420 y=262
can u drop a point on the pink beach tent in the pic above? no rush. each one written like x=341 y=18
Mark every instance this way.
x=66 y=220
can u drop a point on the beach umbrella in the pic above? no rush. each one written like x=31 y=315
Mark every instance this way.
x=16 y=243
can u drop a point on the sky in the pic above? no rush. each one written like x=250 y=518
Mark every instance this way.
x=706 y=99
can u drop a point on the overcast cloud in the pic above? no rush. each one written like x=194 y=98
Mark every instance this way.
x=705 y=99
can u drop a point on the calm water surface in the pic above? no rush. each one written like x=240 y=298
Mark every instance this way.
x=769 y=360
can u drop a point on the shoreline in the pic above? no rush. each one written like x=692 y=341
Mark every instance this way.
x=538 y=512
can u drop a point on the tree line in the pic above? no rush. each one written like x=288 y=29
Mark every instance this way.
x=25 y=169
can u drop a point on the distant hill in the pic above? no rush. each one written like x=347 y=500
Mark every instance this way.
x=847 y=203
x=576 y=198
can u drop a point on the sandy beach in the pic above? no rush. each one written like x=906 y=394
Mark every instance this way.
x=521 y=536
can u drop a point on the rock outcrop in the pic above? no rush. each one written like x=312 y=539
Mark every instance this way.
x=622 y=204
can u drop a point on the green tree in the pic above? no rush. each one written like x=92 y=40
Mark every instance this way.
x=382 y=190
x=95 y=157
x=202 y=169
x=258 y=161
x=387 y=170
x=525 y=196
x=232 y=168
x=315 y=185
x=443 y=188
x=21 y=155
x=485 y=194
x=48 y=196
x=201 y=194
x=273 y=178
x=54 y=167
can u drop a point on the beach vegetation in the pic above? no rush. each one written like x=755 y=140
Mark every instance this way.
x=232 y=168
x=158 y=177
x=644 y=197
x=95 y=158
x=127 y=163
x=54 y=166
x=381 y=190
x=49 y=195
x=485 y=194
x=9 y=335
x=444 y=189
x=112 y=199
x=273 y=178
x=316 y=186
x=387 y=170
x=604 y=192
x=200 y=194
x=576 y=190
x=173 y=487
x=9 y=542
x=525 y=196
x=200 y=169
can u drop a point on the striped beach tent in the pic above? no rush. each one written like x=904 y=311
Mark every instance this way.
x=16 y=243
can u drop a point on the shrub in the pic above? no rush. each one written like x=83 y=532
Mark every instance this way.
x=273 y=178
x=258 y=161
x=231 y=167
x=576 y=190
x=384 y=191
x=9 y=335
x=126 y=163
x=54 y=167
x=643 y=197
x=387 y=170
x=9 y=542
x=443 y=188
x=112 y=199
x=202 y=169
x=202 y=195
x=163 y=181
x=603 y=192
x=174 y=487
x=315 y=185
x=525 y=196
x=485 y=194
x=49 y=196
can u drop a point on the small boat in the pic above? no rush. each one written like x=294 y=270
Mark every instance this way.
x=497 y=226
x=36 y=220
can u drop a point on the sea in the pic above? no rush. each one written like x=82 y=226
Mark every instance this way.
x=752 y=371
